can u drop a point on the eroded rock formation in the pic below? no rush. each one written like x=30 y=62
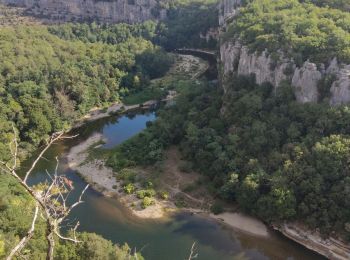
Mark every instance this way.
x=130 y=11
x=236 y=58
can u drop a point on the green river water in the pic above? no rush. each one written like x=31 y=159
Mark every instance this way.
x=167 y=239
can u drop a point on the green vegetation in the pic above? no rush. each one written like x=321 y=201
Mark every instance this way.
x=163 y=195
x=51 y=76
x=185 y=22
x=146 y=202
x=301 y=30
x=16 y=210
x=129 y=188
x=339 y=4
x=217 y=208
x=276 y=158
x=141 y=194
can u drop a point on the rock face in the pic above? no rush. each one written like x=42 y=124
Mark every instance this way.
x=130 y=11
x=304 y=81
x=340 y=89
x=228 y=9
x=236 y=58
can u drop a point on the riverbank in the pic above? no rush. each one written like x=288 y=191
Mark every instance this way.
x=331 y=248
x=103 y=179
x=98 y=113
x=185 y=67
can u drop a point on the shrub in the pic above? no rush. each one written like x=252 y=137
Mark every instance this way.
x=217 y=208
x=146 y=202
x=141 y=194
x=127 y=176
x=180 y=202
x=148 y=184
x=129 y=188
x=163 y=195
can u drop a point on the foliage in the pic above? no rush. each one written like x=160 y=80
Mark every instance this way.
x=141 y=194
x=301 y=29
x=276 y=158
x=154 y=62
x=50 y=76
x=163 y=195
x=127 y=175
x=146 y=94
x=186 y=21
x=146 y=202
x=16 y=212
x=129 y=188
x=216 y=208
x=339 y=4
x=110 y=34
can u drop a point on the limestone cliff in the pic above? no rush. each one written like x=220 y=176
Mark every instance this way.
x=305 y=79
x=130 y=11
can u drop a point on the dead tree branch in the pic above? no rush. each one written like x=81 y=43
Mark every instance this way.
x=51 y=197
x=26 y=238
x=193 y=253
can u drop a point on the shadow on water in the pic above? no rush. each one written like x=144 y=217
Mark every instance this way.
x=169 y=238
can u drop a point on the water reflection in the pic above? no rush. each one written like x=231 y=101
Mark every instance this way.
x=169 y=239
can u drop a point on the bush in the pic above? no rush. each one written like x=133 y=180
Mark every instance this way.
x=146 y=202
x=163 y=195
x=127 y=176
x=141 y=194
x=148 y=184
x=217 y=208
x=129 y=188
x=180 y=202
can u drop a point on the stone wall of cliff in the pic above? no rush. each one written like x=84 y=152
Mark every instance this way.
x=130 y=11
x=236 y=58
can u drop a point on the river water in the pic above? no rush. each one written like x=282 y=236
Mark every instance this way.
x=168 y=239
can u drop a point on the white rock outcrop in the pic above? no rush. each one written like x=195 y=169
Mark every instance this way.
x=228 y=9
x=130 y=11
x=340 y=90
x=305 y=81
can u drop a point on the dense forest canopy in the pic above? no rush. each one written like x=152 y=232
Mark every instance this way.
x=276 y=158
x=339 y=4
x=51 y=76
x=185 y=23
x=301 y=30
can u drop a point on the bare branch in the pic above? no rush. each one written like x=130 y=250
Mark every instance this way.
x=193 y=254
x=51 y=198
x=26 y=238
x=52 y=140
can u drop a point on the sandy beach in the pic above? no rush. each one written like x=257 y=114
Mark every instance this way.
x=243 y=223
x=103 y=179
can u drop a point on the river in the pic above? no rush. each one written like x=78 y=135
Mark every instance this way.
x=169 y=238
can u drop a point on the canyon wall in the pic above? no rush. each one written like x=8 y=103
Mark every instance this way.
x=236 y=58
x=129 y=11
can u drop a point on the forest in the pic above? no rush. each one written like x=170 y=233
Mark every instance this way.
x=49 y=77
x=277 y=159
x=300 y=30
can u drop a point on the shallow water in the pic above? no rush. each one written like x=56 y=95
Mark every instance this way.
x=158 y=239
